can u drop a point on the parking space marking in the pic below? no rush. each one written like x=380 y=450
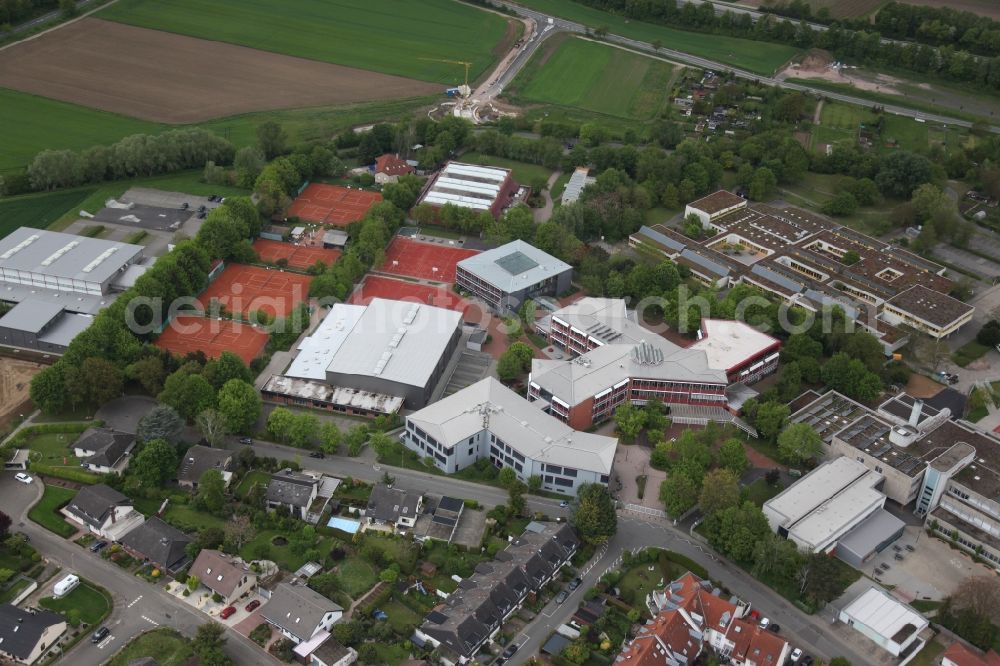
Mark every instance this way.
x=103 y=644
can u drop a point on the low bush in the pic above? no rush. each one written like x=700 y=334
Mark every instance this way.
x=67 y=473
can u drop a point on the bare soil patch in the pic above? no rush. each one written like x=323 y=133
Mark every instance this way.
x=15 y=382
x=818 y=64
x=171 y=78
x=923 y=387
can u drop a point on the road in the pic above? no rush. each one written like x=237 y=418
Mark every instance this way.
x=139 y=606
x=809 y=632
x=564 y=25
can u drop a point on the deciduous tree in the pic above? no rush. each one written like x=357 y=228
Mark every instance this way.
x=212 y=426
x=154 y=465
x=161 y=422
x=594 y=513
x=239 y=405
x=212 y=491
x=720 y=490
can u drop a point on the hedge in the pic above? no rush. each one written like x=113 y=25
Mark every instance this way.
x=20 y=440
x=67 y=473
x=687 y=562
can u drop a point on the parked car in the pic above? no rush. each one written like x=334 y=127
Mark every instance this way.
x=23 y=478
x=253 y=605
x=806 y=660
x=380 y=615
x=316 y=454
x=201 y=215
x=98 y=546
x=246 y=440
x=561 y=597
x=910 y=548
x=227 y=612
x=776 y=628
x=575 y=583
x=185 y=205
x=764 y=622
x=795 y=655
x=510 y=650
x=755 y=615
x=202 y=208
x=563 y=504
x=100 y=635
x=898 y=556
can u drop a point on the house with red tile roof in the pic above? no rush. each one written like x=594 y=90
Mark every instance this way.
x=690 y=616
x=389 y=167
x=958 y=654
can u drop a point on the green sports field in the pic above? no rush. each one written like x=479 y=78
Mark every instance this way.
x=390 y=36
x=760 y=57
x=595 y=77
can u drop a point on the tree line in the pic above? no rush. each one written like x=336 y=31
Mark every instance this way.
x=951 y=61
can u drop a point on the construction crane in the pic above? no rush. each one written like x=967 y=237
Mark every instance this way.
x=466 y=90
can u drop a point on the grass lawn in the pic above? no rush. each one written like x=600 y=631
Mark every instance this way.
x=760 y=491
x=250 y=480
x=403 y=38
x=188 y=518
x=968 y=353
x=165 y=644
x=559 y=186
x=45 y=513
x=282 y=555
x=845 y=116
x=906 y=132
x=596 y=77
x=401 y=619
x=91 y=602
x=37 y=210
x=523 y=172
x=640 y=581
x=15 y=589
x=391 y=654
x=760 y=57
x=929 y=655
x=55 y=448
x=357 y=576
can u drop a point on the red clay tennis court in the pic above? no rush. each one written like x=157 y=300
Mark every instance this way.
x=298 y=256
x=417 y=259
x=376 y=286
x=332 y=204
x=191 y=333
x=242 y=288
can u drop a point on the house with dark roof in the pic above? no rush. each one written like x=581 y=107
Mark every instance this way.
x=25 y=636
x=475 y=612
x=225 y=575
x=392 y=509
x=103 y=511
x=299 y=612
x=199 y=459
x=292 y=491
x=160 y=544
x=103 y=450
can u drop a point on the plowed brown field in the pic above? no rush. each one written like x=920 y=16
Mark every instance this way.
x=171 y=78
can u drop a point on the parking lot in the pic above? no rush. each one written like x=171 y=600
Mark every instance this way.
x=932 y=570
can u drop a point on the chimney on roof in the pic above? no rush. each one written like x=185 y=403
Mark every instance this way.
x=918 y=407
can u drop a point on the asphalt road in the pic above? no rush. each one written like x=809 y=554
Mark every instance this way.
x=807 y=631
x=560 y=24
x=139 y=606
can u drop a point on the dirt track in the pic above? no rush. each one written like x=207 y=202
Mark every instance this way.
x=170 y=78
x=15 y=382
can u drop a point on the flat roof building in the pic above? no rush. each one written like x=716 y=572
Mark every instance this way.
x=56 y=281
x=480 y=188
x=395 y=348
x=827 y=504
x=580 y=179
x=890 y=624
x=506 y=276
x=488 y=420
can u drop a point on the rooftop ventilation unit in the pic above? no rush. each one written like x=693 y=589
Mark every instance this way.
x=411 y=315
x=60 y=252
x=20 y=246
x=97 y=262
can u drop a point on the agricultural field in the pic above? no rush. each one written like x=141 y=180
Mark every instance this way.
x=168 y=78
x=38 y=210
x=760 y=57
x=403 y=38
x=595 y=77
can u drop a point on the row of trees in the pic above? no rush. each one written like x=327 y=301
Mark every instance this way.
x=134 y=156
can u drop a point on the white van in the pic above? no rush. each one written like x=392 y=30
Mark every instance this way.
x=65 y=586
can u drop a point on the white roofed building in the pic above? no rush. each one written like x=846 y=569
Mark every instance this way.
x=385 y=348
x=506 y=276
x=480 y=188
x=488 y=420
x=891 y=624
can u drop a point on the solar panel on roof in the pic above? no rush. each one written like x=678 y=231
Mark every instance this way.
x=516 y=263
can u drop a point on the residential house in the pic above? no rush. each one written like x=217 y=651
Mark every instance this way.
x=160 y=544
x=103 y=450
x=958 y=654
x=103 y=511
x=332 y=653
x=690 y=617
x=225 y=575
x=475 y=612
x=300 y=612
x=27 y=635
x=392 y=509
x=389 y=167
x=198 y=460
x=292 y=491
